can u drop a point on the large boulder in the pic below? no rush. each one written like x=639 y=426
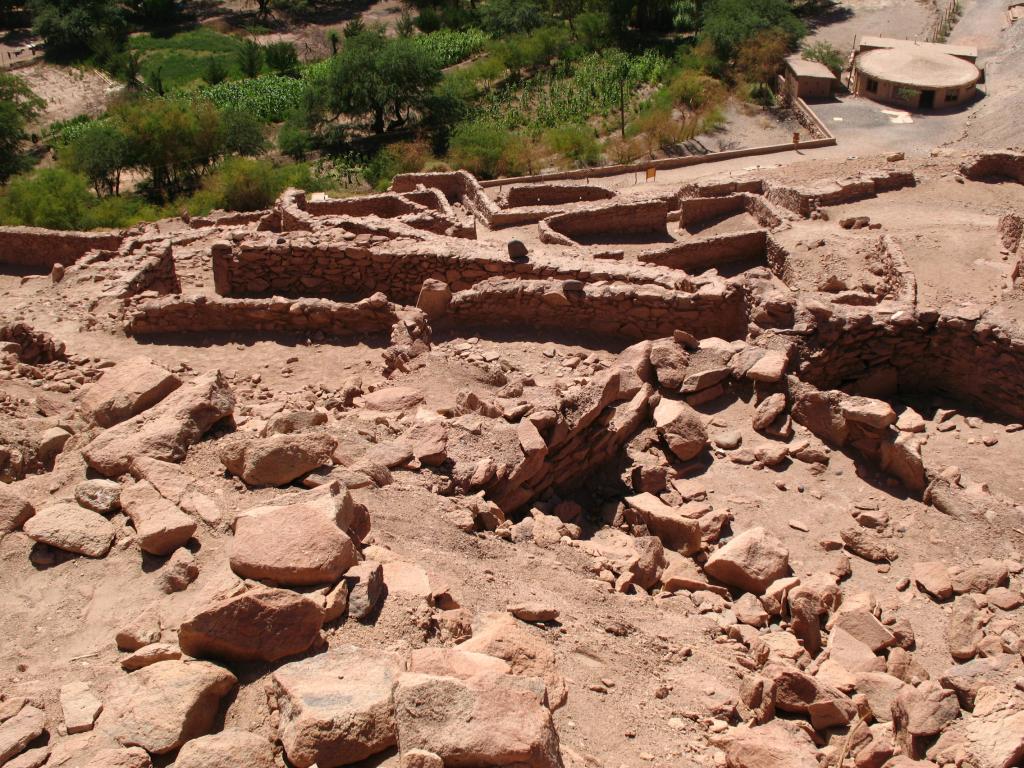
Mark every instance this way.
x=227 y=749
x=769 y=746
x=165 y=431
x=486 y=719
x=337 y=708
x=751 y=561
x=295 y=545
x=262 y=624
x=279 y=458
x=126 y=390
x=164 y=705
x=161 y=526
x=14 y=510
x=71 y=528
x=920 y=713
x=676 y=530
x=523 y=648
x=20 y=730
x=682 y=428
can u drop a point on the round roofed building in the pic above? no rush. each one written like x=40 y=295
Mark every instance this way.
x=915 y=76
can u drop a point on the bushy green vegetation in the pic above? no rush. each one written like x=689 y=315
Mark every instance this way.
x=825 y=53
x=500 y=87
x=19 y=106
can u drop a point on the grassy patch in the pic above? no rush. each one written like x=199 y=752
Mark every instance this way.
x=182 y=58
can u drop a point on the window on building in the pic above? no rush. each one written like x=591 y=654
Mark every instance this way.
x=872 y=86
x=952 y=95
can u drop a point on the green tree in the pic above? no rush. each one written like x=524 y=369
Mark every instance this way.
x=761 y=58
x=215 y=70
x=100 y=153
x=334 y=40
x=282 y=57
x=729 y=24
x=19 y=106
x=250 y=58
x=375 y=76
x=244 y=133
x=54 y=198
x=68 y=27
x=506 y=17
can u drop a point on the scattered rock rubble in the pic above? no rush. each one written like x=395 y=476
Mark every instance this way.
x=730 y=535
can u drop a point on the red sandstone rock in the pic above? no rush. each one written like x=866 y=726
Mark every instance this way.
x=72 y=529
x=227 y=749
x=161 y=526
x=125 y=390
x=337 y=708
x=14 y=510
x=278 y=459
x=769 y=746
x=161 y=707
x=295 y=545
x=165 y=431
x=488 y=719
x=263 y=624
x=393 y=399
x=751 y=561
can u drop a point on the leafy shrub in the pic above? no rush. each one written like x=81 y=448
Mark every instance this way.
x=100 y=152
x=622 y=151
x=508 y=17
x=429 y=20
x=244 y=133
x=404 y=157
x=294 y=140
x=245 y=184
x=824 y=53
x=215 y=70
x=484 y=148
x=577 y=143
x=54 y=198
x=283 y=58
x=250 y=58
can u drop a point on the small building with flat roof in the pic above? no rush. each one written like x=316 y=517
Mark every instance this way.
x=914 y=75
x=808 y=79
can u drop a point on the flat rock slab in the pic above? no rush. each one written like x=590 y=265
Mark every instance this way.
x=80 y=707
x=19 y=731
x=227 y=749
x=492 y=720
x=295 y=545
x=263 y=624
x=126 y=390
x=277 y=459
x=393 y=399
x=71 y=528
x=751 y=561
x=337 y=708
x=161 y=707
x=165 y=431
x=161 y=526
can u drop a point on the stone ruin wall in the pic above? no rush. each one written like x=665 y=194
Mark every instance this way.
x=994 y=166
x=959 y=352
x=805 y=200
x=696 y=210
x=619 y=218
x=704 y=253
x=319 y=266
x=39 y=249
x=619 y=309
x=523 y=195
x=202 y=314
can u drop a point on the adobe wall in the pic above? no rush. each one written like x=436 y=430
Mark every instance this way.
x=649 y=216
x=202 y=314
x=519 y=195
x=617 y=309
x=322 y=264
x=226 y=219
x=699 y=254
x=39 y=249
x=721 y=188
x=971 y=356
x=994 y=166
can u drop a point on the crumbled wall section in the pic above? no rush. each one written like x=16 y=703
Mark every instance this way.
x=201 y=314
x=39 y=249
x=617 y=309
x=805 y=200
x=994 y=166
